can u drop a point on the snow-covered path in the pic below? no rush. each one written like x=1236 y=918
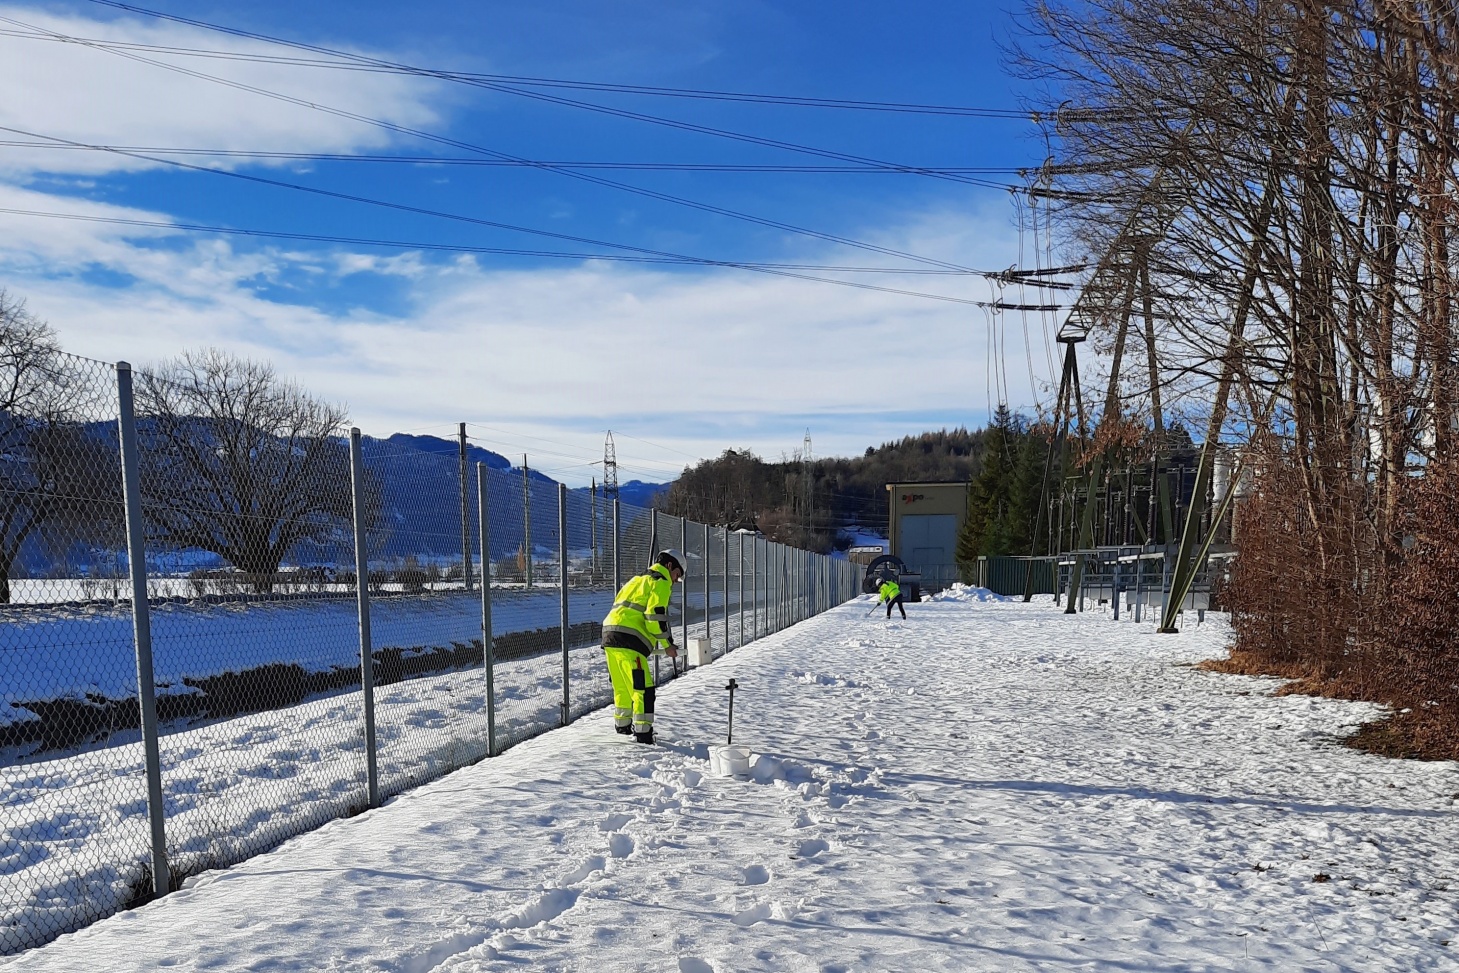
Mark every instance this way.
x=988 y=786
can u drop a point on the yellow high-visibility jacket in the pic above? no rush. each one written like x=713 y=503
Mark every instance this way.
x=889 y=590
x=640 y=616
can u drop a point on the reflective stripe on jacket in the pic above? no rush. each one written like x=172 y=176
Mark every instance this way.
x=640 y=616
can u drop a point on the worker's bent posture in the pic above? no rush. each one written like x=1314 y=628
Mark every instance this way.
x=636 y=628
x=891 y=593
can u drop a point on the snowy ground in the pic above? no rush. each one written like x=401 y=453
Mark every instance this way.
x=987 y=786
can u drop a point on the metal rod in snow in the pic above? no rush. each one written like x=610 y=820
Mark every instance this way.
x=142 y=627
x=730 y=736
x=362 y=600
x=562 y=589
x=488 y=649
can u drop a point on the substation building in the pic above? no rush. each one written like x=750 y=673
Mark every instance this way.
x=922 y=527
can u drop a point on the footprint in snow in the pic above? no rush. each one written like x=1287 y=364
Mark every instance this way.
x=810 y=848
x=758 y=912
x=593 y=864
x=614 y=822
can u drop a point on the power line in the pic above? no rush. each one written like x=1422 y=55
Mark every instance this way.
x=423 y=211
x=573 y=174
x=699 y=94
x=448 y=247
x=536 y=95
x=432 y=160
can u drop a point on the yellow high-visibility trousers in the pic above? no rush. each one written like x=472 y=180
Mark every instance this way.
x=633 y=689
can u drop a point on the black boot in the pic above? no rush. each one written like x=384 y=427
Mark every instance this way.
x=625 y=730
x=644 y=737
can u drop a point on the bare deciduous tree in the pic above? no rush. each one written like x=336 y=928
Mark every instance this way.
x=236 y=461
x=57 y=477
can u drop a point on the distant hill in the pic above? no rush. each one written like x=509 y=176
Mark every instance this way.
x=740 y=489
x=641 y=494
x=420 y=489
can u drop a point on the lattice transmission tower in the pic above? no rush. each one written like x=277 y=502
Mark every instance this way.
x=610 y=469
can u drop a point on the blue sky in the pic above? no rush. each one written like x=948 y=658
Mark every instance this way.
x=541 y=354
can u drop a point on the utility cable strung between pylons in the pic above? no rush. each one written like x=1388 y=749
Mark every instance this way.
x=451 y=247
x=473 y=161
x=477 y=221
x=470 y=147
x=701 y=94
x=539 y=96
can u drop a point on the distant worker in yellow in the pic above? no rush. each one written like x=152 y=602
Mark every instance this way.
x=891 y=593
x=637 y=628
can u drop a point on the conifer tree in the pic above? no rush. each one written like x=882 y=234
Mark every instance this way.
x=987 y=529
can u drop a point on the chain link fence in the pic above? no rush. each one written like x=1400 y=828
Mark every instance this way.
x=220 y=629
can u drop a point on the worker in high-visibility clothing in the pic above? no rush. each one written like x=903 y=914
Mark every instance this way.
x=637 y=628
x=891 y=593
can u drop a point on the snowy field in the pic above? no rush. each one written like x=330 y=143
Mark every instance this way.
x=86 y=650
x=987 y=786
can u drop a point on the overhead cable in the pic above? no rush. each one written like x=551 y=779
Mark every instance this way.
x=582 y=176
x=701 y=94
x=477 y=221
x=537 y=95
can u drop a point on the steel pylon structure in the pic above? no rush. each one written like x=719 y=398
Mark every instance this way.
x=610 y=469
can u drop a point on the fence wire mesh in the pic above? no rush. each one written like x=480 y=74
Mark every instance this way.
x=248 y=510
x=73 y=839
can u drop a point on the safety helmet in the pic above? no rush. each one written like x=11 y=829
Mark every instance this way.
x=672 y=557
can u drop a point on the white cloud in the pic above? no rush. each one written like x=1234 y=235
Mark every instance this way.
x=89 y=95
x=696 y=360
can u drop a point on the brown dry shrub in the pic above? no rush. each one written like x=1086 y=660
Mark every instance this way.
x=1321 y=604
x=1419 y=644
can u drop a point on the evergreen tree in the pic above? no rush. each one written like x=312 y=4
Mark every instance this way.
x=989 y=528
x=1026 y=493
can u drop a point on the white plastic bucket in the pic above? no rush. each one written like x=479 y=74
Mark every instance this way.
x=700 y=653
x=729 y=761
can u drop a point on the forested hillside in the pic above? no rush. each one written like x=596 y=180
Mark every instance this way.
x=740 y=489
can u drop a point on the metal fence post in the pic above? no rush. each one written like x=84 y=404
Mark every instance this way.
x=708 y=615
x=488 y=650
x=653 y=551
x=754 y=587
x=362 y=599
x=779 y=593
x=526 y=522
x=724 y=583
x=617 y=568
x=142 y=627
x=684 y=586
x=465 y=511
x=562 y=581
x=740 y=577
x=1115 y=588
